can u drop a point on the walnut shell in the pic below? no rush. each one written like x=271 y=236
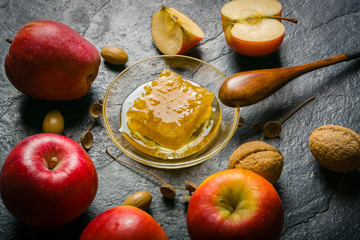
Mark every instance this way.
x=260 y=158
x=336 y=148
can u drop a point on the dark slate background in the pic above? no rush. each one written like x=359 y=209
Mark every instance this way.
x=318 y=204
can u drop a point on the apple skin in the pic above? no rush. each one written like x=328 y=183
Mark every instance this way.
x=44 y=197
x=252 y=49
x=48 y=60
x=249 y=48
x=260 y=214
x=123 y=222
x=183 y=33
x=189 y=40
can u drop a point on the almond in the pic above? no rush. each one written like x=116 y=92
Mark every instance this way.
x=53 y=122
x=114 y=55
x=140 y=200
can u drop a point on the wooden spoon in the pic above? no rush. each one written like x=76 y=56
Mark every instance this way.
x=247 y=88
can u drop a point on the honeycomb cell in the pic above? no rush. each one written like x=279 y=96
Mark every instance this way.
x=170 y=113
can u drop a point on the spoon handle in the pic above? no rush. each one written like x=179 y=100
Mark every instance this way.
x=305 y=68
x=353 y=54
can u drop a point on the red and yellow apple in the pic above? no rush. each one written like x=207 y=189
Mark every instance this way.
x=48 y=180
x=250 y=27
x=173 y=32
x=49 y=60
x=123 y=222
x=235 y=204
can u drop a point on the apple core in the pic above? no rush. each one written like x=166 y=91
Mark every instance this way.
x=252 y=27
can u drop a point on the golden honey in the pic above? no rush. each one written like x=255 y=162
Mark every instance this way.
x=170 y=117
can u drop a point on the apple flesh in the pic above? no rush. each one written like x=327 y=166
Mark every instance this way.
x=235 y=204
x=123 y=222
x=48 y=180
x=250 y=27
x=173 y=32
x=49 y=60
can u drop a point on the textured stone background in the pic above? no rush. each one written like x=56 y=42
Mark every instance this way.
x=318 y=204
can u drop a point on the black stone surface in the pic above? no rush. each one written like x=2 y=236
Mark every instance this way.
x=318 y=204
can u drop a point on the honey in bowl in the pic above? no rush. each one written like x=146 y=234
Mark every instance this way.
x=170 y=117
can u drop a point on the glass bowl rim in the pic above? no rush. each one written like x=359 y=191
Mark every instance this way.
x=164 y=166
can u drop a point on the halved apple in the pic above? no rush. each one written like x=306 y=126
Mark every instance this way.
x=173 y=32
x=251 y=27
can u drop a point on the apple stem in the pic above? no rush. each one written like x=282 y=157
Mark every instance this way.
x=255 y=19
x=9 y=40
x=53 y=162
x=222 y=200
x=284 y=18
x=175 y=18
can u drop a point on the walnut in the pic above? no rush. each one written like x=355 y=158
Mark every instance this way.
x=260 y=158
x=336 y=148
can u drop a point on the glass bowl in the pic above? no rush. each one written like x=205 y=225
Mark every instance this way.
x=147 y=70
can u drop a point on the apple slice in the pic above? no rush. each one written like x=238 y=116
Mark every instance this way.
x=253 y=27
x=173 y=32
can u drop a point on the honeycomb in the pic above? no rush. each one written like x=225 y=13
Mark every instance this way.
x=170 y=110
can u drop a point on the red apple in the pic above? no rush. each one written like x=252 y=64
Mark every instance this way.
x=125 y=223
x=51 y=61
x=47 y=180
x=235 y=204
x=250 y=27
